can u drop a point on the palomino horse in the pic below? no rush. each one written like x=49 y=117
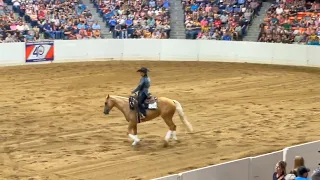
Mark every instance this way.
x=166 y=108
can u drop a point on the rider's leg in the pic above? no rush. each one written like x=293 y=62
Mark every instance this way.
x=142 y=98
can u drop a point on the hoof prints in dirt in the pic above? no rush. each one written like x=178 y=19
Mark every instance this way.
x=59 y=122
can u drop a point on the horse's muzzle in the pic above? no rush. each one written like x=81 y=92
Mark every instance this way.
x=105 y=113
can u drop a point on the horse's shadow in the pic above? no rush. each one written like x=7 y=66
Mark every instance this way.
x=155 y=145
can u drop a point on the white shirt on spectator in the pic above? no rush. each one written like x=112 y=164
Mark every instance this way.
x=279 y=10
x=16 y=3
x=122 y=21
x=120 y=12
x=20 y=28
x=36 y=7
x=26 y=27
x=224 y=18
x=188 y=22
x=28 y=11
x=57 y=22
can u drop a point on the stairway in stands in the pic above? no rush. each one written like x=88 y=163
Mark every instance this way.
x=254 y=30
x=10 y=7
x=105 y=33
x=177 y=20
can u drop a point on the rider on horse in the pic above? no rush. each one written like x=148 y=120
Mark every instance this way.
x=143 y=89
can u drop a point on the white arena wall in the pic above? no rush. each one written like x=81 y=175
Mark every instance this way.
x=250 y=168
x=170 y=50
x=254 y=168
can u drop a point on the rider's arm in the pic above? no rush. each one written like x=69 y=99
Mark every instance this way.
x=139 y=86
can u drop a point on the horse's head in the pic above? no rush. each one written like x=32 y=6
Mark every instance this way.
x=108 y=105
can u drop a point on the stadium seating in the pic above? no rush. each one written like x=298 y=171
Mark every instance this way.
x=220 y=19
x=55 y=20
x=133 y=19
x=292 y=22
x=12 y=28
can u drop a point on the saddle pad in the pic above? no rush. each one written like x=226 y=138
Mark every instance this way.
x=153 y=105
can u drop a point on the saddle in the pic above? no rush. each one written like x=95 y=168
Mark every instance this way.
x=151 y=103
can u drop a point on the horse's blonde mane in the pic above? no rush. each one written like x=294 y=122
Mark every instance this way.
x=120 y=97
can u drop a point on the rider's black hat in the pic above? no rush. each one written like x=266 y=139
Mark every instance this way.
x=144 y=70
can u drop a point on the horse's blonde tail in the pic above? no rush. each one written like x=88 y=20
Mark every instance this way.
x=183 y=118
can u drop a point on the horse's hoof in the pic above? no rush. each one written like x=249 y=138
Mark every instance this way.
x=135 y=142
x=165 y=144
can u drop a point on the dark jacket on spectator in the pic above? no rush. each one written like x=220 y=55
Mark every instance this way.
x=275 y=177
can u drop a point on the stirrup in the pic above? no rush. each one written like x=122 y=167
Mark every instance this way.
x=142 y=116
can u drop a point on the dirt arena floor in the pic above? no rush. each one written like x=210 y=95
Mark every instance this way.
x=53 y=126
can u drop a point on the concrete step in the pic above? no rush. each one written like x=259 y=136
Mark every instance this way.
x=177 y=26
x=254 y=31
x=179 y=30
x=105 y=32
x=177 y=20
x=177 y=33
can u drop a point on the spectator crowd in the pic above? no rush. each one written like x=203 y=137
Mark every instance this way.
x=12 y=28
x=31 y=20
x=286 y=21
x=299 y=172
x=220 y=19
x=292 y=22
x=136 y=18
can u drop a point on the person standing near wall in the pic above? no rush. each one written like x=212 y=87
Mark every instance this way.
x=316 y=174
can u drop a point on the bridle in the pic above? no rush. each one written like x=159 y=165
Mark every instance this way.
x=106 y=108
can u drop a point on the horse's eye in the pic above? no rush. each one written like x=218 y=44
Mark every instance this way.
x=105 y=103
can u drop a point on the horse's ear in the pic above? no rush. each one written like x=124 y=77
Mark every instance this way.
x=108 y=96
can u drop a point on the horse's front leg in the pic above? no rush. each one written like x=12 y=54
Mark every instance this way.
x=134 y=136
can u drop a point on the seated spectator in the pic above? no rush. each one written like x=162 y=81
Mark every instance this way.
x=82 y=34
x=298 y=162
x=96 y=26
x=316 y=174
x=89 y=33
x=22 y=27
x=29 y=37
x=97 y=34
x=290 y=177
x=9 y=38
x=70 y=34
x=280 y=171
x=219 y=20
x=136 y=19
x=303 y=173
x=53 y=19
x=292 y=22
x=12 y=28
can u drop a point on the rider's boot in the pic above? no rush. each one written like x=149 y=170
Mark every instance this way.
x=142 y=116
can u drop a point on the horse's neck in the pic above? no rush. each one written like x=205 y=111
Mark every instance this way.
x=121 y=103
